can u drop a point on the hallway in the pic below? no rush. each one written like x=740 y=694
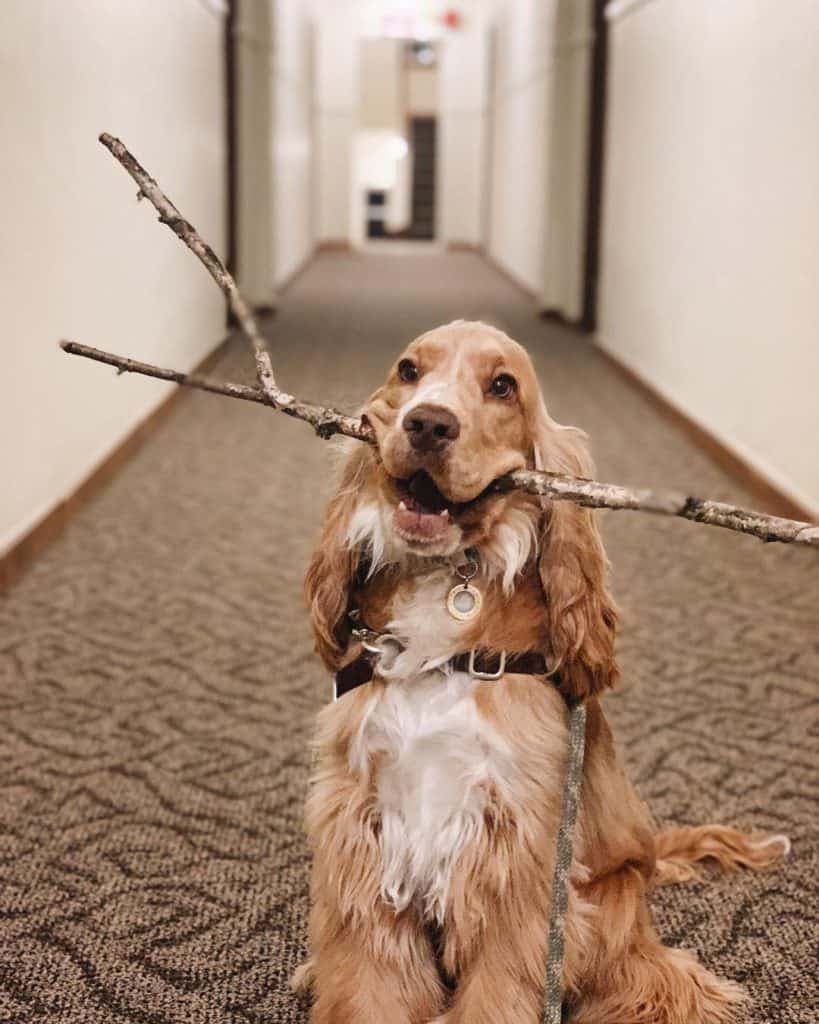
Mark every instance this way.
x=158 y=685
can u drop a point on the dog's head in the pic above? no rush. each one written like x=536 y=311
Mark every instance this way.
x=461 y=408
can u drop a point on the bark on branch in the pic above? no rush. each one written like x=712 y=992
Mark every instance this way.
x=328 y=421
x=183 y=229
x=593 y=494
x=590 y=493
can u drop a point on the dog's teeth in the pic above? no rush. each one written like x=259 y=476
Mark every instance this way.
x=402 y=506
x=444 y=514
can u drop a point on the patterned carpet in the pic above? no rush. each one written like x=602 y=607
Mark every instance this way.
x=157 y=685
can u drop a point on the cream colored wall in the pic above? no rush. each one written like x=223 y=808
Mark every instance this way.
x=381 y=86
x=273 y=42
x=381 y=157
x=567 y=158
x=462 y=105
x=521 y=124
x=293 y=150
x=254 y=42
x=422 y=91
x=336 y=116
x=80 y=258
x=538 y=146
x=710 y=248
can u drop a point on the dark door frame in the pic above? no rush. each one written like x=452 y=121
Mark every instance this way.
x=231 y=127
x=595 y=158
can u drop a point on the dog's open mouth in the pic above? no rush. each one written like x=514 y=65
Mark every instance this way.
x=424 y=514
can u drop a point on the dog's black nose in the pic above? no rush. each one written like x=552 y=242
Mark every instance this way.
x=431 y=427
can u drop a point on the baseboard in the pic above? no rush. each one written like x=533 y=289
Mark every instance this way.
x=34 y=542
x=334 y=245
x=455 y=246
x=557 y=316
x=771 y=497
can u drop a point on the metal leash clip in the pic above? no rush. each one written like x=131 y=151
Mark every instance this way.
x=380 y=644
x=383 y=644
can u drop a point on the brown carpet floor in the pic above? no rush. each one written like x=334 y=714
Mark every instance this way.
x=157 y=685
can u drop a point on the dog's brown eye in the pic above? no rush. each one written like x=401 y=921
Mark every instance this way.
x=503 y=386
x=407 y=371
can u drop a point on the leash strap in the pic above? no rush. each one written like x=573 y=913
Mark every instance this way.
x=553 y=1008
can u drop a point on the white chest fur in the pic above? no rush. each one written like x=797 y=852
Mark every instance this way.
x=436 y=756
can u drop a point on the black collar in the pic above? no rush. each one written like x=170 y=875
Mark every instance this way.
x=482 y=665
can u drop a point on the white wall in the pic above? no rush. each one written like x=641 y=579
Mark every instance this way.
x=254 y=42
x=521 y=125
x=293 y=136
x=539 y=111
x=81 y=259
x=462 y=98
x=381 y=85
x=710 y=250
x=273 y=41
x=422 y=91
x=336 y=116
x=382 y=159
x=567 y=156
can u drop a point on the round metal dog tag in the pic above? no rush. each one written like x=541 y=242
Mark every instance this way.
x=464 y=602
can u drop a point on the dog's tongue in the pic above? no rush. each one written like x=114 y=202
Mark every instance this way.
x=423 y=512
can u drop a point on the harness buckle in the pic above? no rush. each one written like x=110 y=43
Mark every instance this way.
x=477 y=674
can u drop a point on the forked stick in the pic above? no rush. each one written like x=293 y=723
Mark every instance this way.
x=328 y=421
x=170 y=216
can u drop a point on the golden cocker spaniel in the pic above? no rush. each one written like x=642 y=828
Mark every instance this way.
x=459 y=617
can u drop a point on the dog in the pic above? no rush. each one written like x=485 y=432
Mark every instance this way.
x=459 y=617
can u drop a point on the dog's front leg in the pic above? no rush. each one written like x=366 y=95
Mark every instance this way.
x=374 y=968
x=496 y=935
x=370 y=965
x=504 y=981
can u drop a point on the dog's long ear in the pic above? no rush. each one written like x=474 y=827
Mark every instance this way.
x=334 y=565
x=580 y=612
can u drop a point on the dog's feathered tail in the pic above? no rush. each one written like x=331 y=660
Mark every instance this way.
x=681 y=851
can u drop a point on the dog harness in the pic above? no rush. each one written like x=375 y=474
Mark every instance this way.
x=478 y=664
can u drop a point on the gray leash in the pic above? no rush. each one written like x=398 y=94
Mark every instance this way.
x=552 y=1010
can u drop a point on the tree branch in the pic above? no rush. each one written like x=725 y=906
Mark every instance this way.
x=183 y=229
x=328 y=421
x=593 y=494
x=589 y=493
x=325 y=420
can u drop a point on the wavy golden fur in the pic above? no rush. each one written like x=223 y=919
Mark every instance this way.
x=436 y=798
